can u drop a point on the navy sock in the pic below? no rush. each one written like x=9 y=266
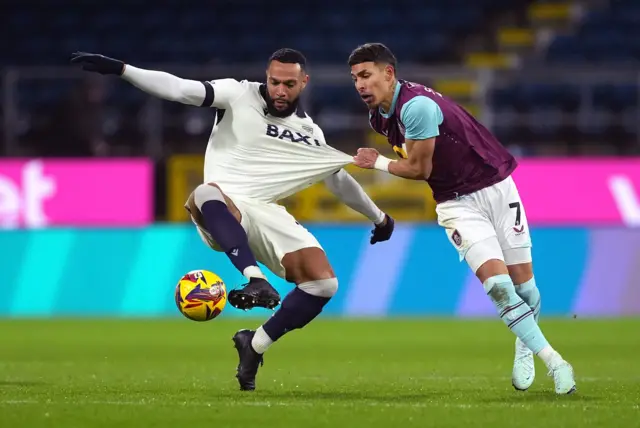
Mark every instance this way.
x=228 y=234
x=297 y=310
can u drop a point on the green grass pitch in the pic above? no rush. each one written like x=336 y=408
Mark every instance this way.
x=335 y=373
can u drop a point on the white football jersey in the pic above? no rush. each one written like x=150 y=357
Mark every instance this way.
x=254 y=155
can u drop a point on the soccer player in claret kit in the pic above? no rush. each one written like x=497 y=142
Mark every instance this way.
x=263 y=148
x=478 y=203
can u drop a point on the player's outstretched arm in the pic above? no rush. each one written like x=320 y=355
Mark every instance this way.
x=157 y=83
x=349 y=191
x=418 y=166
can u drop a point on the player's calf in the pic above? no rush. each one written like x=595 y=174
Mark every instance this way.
x=316 y=285
x=524 y=371
x=521 y=272
x=299 y=308
x=516 y=314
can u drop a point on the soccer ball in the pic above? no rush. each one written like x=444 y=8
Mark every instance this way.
x=201 y=295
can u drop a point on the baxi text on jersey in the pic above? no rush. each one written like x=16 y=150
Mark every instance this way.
x=294 y=137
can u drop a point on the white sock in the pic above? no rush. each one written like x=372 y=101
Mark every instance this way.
x=261 y=341
x=550 y=357
x=253 y=272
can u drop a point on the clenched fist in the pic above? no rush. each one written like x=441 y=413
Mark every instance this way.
x=366 y=158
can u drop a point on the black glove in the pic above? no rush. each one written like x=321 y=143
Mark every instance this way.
x=383 y=231
x=98 y=63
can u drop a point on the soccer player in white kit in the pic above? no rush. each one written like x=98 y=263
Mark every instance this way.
x=263 y=148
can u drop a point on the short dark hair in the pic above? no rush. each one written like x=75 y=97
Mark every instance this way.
x=374 y=52
x=289 y=56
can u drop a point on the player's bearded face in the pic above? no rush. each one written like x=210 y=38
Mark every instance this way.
x=373 y=82
x=285 y=82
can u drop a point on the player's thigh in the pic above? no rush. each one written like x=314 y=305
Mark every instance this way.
x=307 y=264
x=465 y=225
x=485 y=258
x=286 y=247
x=510 y=220
x=472 y=233
x=198 y=219
x=512 y=228
x=196 y=215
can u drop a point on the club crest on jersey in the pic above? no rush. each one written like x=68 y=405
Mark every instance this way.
x=287 y=134
x=456 y=238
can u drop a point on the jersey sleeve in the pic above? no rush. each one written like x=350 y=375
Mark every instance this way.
x=222 y=93
x=421 y=117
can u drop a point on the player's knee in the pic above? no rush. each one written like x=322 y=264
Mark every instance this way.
x=485 y=258
x=207 y=192
x=521 y=273
x=490 y=268
x=518 y=261
x=321 y=288
x=499 y=287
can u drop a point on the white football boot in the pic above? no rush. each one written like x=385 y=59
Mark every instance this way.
x=524 y=369
x=563 y=378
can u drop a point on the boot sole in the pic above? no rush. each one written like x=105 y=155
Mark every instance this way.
x=245 y=301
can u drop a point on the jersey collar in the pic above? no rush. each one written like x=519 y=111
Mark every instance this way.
x=393 y=102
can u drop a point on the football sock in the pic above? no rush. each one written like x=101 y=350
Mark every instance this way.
x=514 y=312
x=550 y=357
x=261 y=341
x=528 y=291
x=231 y=237
x=298 y=309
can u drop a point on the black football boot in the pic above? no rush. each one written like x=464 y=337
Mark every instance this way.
x=250 y=360
x=257 y=292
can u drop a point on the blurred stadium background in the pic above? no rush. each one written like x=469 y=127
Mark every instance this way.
x=94 y=173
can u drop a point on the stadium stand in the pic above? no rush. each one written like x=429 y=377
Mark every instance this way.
x=609 y=34
x=476 y=34
x=582 y=38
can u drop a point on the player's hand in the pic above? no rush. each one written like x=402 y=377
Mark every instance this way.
x=383 y=231
x=366 y=158
x=98 y=63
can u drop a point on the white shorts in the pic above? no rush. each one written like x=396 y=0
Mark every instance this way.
x=272 y=233
x=493 y=220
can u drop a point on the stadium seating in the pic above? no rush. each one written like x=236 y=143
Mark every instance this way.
x=611 y=34
x=218 y=32
x=607 y=35
x=554 y=112
x=241 y=31
x=244 y=31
